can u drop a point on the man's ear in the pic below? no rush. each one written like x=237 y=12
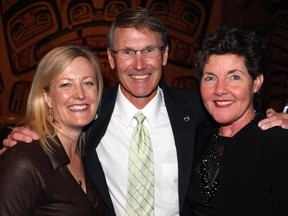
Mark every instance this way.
x=110 y=59
x=165 y=56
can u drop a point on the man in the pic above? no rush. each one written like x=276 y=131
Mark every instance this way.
x=137 y=50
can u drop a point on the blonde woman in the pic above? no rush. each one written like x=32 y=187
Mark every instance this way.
x=47 y=177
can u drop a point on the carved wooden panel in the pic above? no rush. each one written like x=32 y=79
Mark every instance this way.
x=31 y=28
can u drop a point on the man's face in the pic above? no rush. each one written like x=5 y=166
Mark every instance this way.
x=139 y=75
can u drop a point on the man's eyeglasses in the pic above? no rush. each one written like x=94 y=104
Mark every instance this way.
x=149 y=52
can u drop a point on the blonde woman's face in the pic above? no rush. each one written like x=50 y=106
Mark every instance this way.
x=73 y=95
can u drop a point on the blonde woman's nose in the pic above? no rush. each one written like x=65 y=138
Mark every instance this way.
x=79 y=93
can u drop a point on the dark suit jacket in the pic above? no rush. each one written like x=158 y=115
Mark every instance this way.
x=186 y=113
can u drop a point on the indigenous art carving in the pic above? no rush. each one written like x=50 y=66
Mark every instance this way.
x=31 y=28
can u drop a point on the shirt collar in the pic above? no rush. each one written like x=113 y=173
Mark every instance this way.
x=127 y=110
x=59 y=157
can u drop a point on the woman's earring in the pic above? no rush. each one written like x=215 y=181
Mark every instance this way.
x=52 y=118
x=50 y=114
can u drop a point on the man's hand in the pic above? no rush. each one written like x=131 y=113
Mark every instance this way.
x=274 y=119
x=2 y=150
x=19 y=134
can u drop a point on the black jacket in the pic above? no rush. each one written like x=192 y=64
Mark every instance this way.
x=186 y=113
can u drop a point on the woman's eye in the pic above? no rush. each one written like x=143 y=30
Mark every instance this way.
x=235 y=77
x=88 y=83
x=64 y=85
x=208 y=78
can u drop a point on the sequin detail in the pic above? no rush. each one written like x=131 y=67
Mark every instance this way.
x=209 y=168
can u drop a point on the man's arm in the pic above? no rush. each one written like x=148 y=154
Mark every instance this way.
x=24 y=134
x=19 y=134
x=274 y=119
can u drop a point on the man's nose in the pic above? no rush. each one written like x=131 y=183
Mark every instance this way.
x=139 y=60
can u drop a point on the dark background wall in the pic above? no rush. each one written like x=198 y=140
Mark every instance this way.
x=29 y=28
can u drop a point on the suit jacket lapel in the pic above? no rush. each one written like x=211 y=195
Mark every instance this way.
x=182 y=117
x=184 y=111
x=94 y=135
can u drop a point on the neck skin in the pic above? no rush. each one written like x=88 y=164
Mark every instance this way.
x=229 y=130
x=70 y=142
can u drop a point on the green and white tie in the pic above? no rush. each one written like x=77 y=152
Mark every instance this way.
x=140 y=192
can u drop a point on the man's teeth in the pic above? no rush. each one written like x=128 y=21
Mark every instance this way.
x=139 y=76
x=78 y=107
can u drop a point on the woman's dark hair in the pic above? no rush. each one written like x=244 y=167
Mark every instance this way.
x=232 y=40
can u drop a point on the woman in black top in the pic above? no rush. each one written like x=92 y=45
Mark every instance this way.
x=239 y=168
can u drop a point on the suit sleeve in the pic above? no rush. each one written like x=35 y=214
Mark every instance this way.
x=275 y=155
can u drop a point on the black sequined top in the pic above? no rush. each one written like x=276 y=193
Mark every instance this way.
x=253 y=173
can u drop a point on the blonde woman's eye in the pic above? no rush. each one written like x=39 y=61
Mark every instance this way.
x=65 y=85
x=88 y=83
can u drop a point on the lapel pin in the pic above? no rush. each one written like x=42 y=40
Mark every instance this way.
x=186 y=118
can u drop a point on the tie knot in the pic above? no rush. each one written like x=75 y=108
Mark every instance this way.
x=139 y=116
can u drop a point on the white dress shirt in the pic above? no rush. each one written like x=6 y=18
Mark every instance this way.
x=113 y=152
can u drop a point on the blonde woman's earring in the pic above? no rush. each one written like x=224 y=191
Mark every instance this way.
x=50 y=114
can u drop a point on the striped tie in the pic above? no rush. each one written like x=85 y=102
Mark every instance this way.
x=140 y=193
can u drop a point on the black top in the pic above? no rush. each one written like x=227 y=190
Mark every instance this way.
x=33 y=183
x=253 y=173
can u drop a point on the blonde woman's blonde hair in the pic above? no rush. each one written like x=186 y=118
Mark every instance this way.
x=49 y=68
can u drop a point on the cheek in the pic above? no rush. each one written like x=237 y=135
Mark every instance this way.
x=156 y=66
x=93 y=96
x=206 y=92
x=121 y=67
x=244 y=94
x=155 y=62
x=60 y=98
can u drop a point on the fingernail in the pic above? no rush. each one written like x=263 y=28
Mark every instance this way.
x=29 y=140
